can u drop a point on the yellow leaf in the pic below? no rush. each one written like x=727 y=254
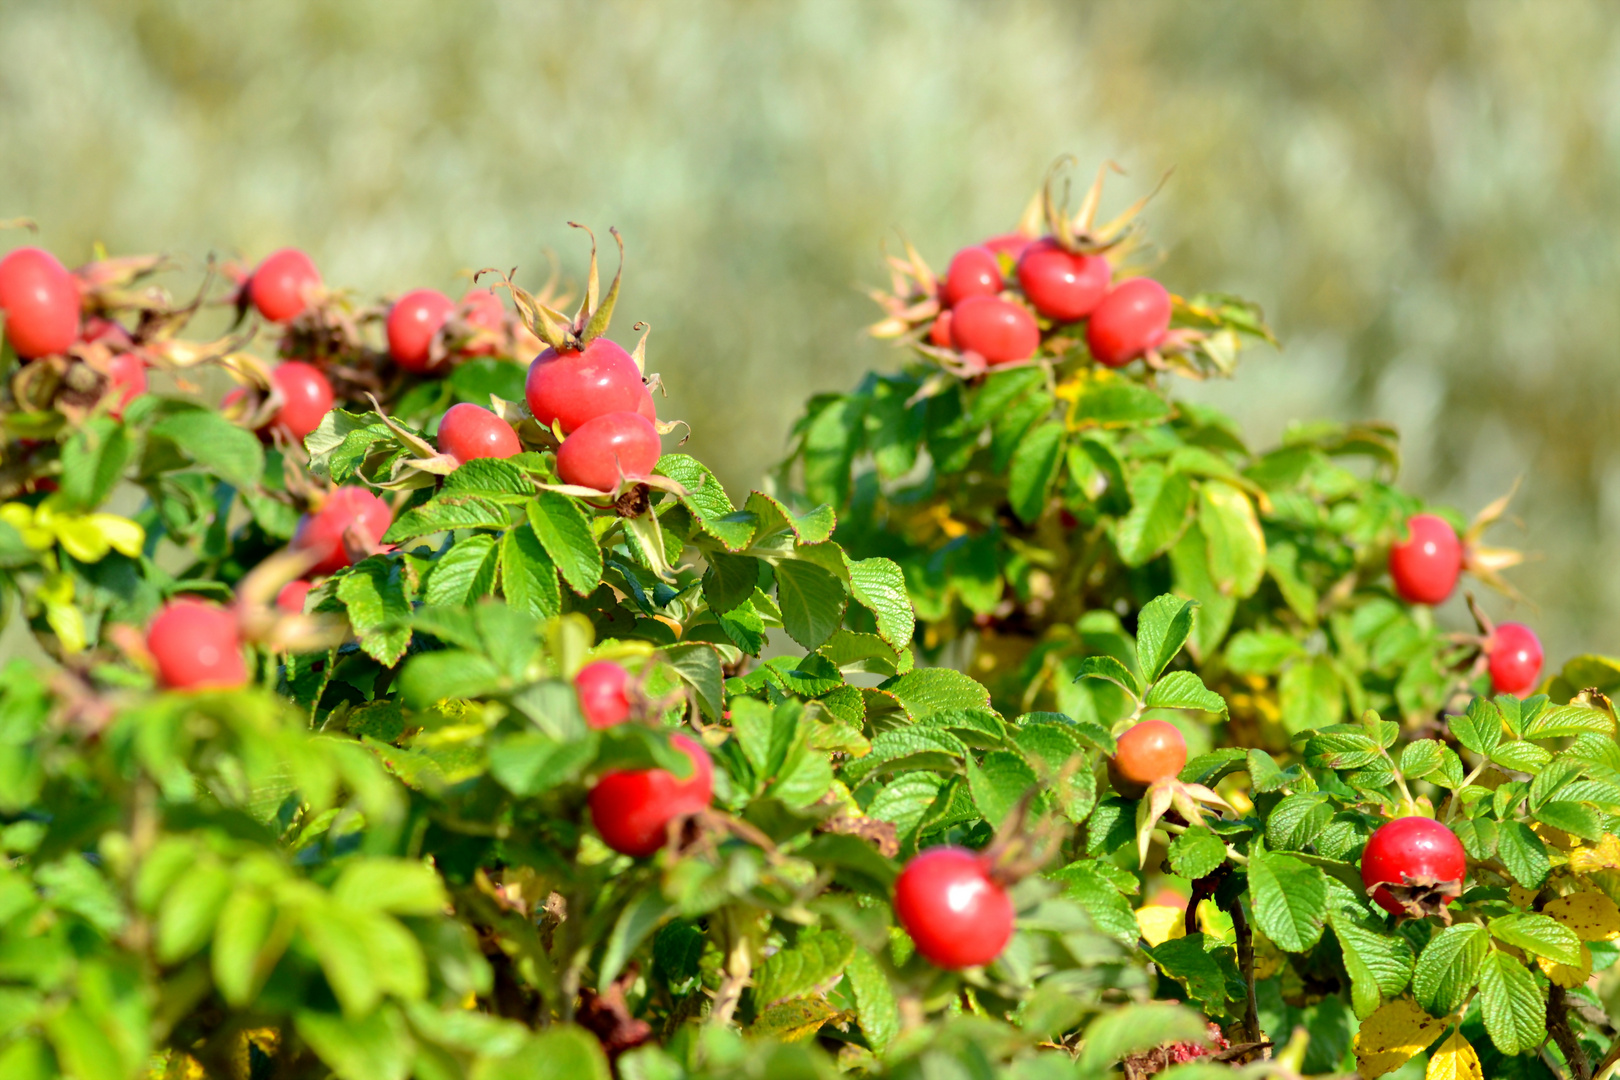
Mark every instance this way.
x=1161 y=922
x=1394 y=1034
x=1593 y=916
x=20 y=516
x=124 y=536
x=65 y=620
x=795 y=1019
x=1519 y=896
x=1605 y=855
x=1564 y=974
x=80 y=538
x=1556 y=838
x=1454 y=1060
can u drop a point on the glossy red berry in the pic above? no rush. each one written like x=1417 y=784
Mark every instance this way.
x=482 y=310
x=1063 y=285
x=1011 y=244
x=306 y=399
x=322 y=533
x=632 y=809
x=1426 y=564
x=126 y=381
x=998 y=330
x=1514 y=654
x=939 y=331
x=111 y=331
x=1129 y=321
x=1413 y=864
x=292 y=596
x=604 y=693
x=1149 y=752
x=573 y=387
x=467 y=431
x=601 y=451
x=974 y=271
x=41 y=302
x=196 y=647
x=284 y=284
x=412 y=322
x=956 y=913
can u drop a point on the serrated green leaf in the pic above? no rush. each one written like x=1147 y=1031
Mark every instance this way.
x=1289 y=899
x=879 y=586
x=1184 y=690
x=1033 y=470
x=1523 y=853
x=1480 y=728
x=1108 y=909
x=1160 y=509
x=1448 y=967
x=1196 y=852
x=927 y=691
x=377 y=599
x=1106 y=667
x=210 y=440
x=1538 y=935
x=1511 y=1004
x=1185 y=960
x=565 y=533
x=875 y=1007
x=1379 y=964
x=998 y=783
x=812 y=601
x=1421 y=757
x=528 y=576
x=1162 y=628
x=464 y=573
x=815 y=962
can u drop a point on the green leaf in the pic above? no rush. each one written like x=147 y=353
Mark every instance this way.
x=1511 y=1005
x=1448 y=967
x=1295 y=821
x=529 y=762
x=875 y=1006
x=1480 y=728
x=1421 y=757
x=730 y=580
x=1162 y=628
x=812 y=527
x=210 y=440
x=1184 y=690
x=879 y=586
x=1289 y=899
x=926 y=691
x=85 y=1051
x=1106 y=667
x=813 y=963
x=1254 y=652
x=1575 y=818
x=1563 y=721
x=400 y=886
x=1237 y=546
x=559 y=1052
x=490 y=478
x=452 y=673
x=998 y=784
x=444 y=514
x=1034 y=468
x=1539 y=935
x=1160 y=510
x=565 y=532
x=464 y=573
x=698 y=665
x=1282 y=562
x=708 y=502
x=640 y=917
x=1109 y=400
x=93 y=462
x=1311 y=696
x=1379 y=965
x=240 y=937
x=374 y=1047
x=190 y=910
x=1196 y=852
x=374 y=593
x=1132 y=1028
x=1109 y=910
x=528 y=576
x=1185 y=960
x=812 y=602
x=1523 y=853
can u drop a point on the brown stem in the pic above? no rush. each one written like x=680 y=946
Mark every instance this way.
x=1558 y=1026
x=1245 y=951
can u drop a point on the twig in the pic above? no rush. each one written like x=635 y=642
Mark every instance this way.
x=1564 y=1036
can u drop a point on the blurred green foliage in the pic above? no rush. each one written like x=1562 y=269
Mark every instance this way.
x=1423 y=196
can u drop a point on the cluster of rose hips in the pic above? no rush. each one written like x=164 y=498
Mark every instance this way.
x=1063 y=285
x=1425 y=567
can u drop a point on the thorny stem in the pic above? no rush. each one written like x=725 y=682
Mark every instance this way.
x=1564 y=1036
x=1245 y=951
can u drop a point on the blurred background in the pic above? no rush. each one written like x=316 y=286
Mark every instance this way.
x=1424 y=197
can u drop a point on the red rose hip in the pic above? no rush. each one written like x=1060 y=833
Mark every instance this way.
x=467 y=432
x=1149 y=752
x=412 y=322
x=1514 y=656
x=1413 y=866
x=292 y=596
x=601 y=451
x=306 y=398
x=632 y=809
x=196 y=647
x=1426 y=564
x=974 y=271
x=41 y=302
x=126 y=381
x=939 y=331
x=322 y=533
x=956 y=913
x=604 y=696
x=999 y=330
x=283 y=285
x=1129 y=321
x=482 y=310
x=574 y=387
x=1011 y=244
x=1063 y=285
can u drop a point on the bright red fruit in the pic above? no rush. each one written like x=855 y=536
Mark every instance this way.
x=604 y=696
x=574 y=387
x=939 y=331
x=1425 y=565
x=1515 y=659
x=956 y=913
x=1413 y=865
x=283 y=285
x=321 y=533
x=467 y=431
x=1152 y=750
x=196 y=646
x=306 y=399
x=974 y=271
x=602 y=450
x=632 y=809
x=998 y=330
x=127 y=381
x=41 y=302
x=292 y=596
x=1062 y=285
x=1131 y=319
x=483 y=309
x=109 y=330
x=1013 y=244
x=412 y=322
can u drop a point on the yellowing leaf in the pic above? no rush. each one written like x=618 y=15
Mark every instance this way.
x=1454 y=1060
x=1593 y=916
x=81 y=539
x=1161 y=922
x=1556 y=838
x=1394 y=1034
x=1605 y=855
x=122 y=534
x=1566 y=975
x=20 y=516
x=1519 y=896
